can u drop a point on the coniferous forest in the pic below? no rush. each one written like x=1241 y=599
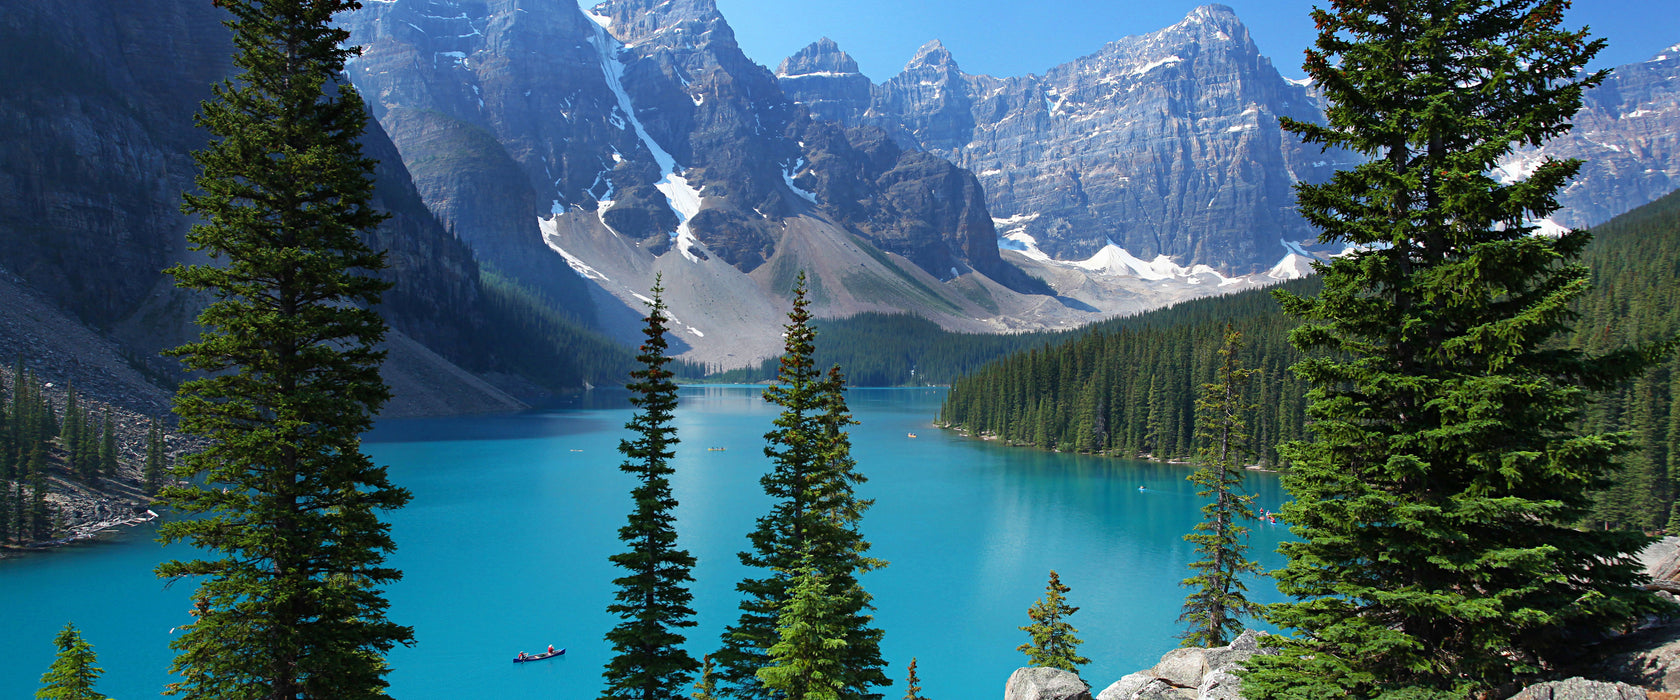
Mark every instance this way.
x=1128 y=387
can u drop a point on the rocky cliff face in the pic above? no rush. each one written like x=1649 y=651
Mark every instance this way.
x=1164 y=144
x=647 y=116
x=826 y=81
x=1168 y=143
x=1628 y=134
x=101 y=118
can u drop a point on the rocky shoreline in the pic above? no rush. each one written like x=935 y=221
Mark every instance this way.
x=85 y=510
x=1641 y=665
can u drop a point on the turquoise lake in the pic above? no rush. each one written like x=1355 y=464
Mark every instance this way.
x=504 y=549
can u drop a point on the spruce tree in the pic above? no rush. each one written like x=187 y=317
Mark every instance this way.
x=155 y=458
x=73 y=427
x=1053 y=643
x=816 y=514
x=283 y=502
x=807 y=661
x=1218 y=602
x=8 y=456
x=1435 y=508
x=72 y=674
x=41 y=512
x=108 y=448
x=649 y=662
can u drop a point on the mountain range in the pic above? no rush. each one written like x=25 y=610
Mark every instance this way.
x=547 y=163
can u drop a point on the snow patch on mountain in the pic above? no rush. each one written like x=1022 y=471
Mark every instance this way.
x=1292 y=267
x=1023 y=242
x=550 y=228
x=1152 y=65
x=683 y=199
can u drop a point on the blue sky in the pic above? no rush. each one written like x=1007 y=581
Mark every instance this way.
x=1015 y=37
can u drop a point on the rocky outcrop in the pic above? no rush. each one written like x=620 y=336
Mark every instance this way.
x=1191 y=673
x=1628 y=135
x=1580 y=689
x=1044 y=683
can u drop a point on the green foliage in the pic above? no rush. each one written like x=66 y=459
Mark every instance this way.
x=649 y=662
x=808 y=659
x=72 y=674
x=529 y=337
x=1053 y=643
x=108 y=448
x=157 y=461
x=283 y=499
x=27 y=429
x=1218 y=602
x=813 y=521
x=1128 y=386
x=1435 y=507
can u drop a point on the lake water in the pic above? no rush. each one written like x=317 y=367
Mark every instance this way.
x=505 y=545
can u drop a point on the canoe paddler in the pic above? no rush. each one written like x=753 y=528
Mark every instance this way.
x=551 y=650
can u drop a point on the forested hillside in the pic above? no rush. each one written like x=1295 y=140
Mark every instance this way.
x=1127 y=387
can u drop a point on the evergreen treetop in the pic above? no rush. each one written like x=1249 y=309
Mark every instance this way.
x=1436 y=506
x=1218 y=601
x=283 y=501
x=814 y=521
x=652 y=602
x=1052 y=642
x=807 y=661
x=73 y=672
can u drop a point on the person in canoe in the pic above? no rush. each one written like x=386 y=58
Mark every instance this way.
x=551 y=650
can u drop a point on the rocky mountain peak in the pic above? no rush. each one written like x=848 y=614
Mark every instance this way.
x=822 y=56
x=931 y=55
x=637 y=21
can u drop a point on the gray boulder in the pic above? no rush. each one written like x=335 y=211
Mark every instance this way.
x=1183 y=667
x=1648 y=658
x=1159 y=689
x=1580 y=689
x=1044 y=683
x=1127 y=687
x=1220 y=685
x=1241 y=649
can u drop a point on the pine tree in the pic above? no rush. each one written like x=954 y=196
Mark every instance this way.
x=72 y=674
x=283 y=500
x=1218 y=602
x=1435 y=507
x=807 y=662
x=41 y=512
x=816 y=514
x=1053 y=643
x=156 y=462
x=913 y=684
x=73 y=426
x=8 y=456
x=649 y=662
x=108 y=448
